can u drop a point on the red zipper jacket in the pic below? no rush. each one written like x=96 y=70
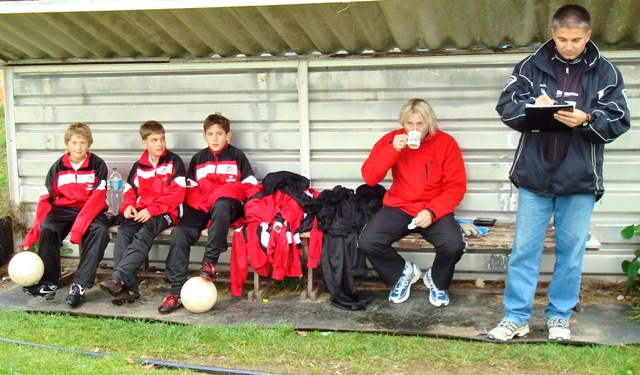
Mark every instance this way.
x=268 y=241
x=65 y=187
x=160 y=189
x=208 y=171
x=430 y=177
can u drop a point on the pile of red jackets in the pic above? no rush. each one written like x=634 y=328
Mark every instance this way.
x=270 y=241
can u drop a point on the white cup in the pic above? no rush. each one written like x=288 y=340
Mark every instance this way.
x=414 y=139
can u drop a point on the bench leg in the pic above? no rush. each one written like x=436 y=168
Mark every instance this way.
x=315 y=285
x=251 y=295
x=263 y=288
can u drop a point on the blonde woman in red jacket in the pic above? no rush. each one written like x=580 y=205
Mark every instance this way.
x=429 y=181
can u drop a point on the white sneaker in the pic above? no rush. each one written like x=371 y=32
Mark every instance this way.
x=437 y=297
x=507 y=329
x=559 y=329
x=401 y=290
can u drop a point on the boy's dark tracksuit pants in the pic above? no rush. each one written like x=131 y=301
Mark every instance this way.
x=132 y=246
x=224 y=212
x=55 y=227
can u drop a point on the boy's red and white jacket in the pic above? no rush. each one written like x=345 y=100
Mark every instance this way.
x=160 y=189
x=210 y=171
x=430 y=177
x=85 y=189
x=268 y=241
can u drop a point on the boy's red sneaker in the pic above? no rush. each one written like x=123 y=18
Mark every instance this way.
x=208 y=271
x=170 y=304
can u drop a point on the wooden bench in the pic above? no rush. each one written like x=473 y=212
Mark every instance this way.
x=498 y=239
x=262 y=287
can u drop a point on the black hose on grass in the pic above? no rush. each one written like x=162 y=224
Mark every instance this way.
x=171 y=365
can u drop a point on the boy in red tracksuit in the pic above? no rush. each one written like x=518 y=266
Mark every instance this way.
x=218 y=180
x=73 y=200
x=152 y=202
x=429 y=181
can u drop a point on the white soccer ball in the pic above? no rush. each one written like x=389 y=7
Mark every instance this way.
x=198 y=295
x=26 y=268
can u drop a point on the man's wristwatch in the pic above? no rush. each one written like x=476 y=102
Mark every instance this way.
x=587 y=121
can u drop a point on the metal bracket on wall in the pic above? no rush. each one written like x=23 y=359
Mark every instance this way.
x=498 y=262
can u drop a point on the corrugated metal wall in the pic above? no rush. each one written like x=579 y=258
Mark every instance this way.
x=125 y=30
x=316 y=117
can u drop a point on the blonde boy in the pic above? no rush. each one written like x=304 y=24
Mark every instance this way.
x=73 y=200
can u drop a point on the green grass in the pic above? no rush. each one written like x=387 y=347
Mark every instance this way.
x=278 y=350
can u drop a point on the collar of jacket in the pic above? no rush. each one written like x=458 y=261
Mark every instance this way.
x=216 y=153
x=544 y=55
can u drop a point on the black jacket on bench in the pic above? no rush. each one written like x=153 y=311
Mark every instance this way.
x=342 y=215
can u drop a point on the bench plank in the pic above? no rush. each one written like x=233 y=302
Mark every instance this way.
x=499 y=238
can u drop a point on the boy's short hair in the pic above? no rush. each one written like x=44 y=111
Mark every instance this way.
x=217 y=119
x=78 y=128
x=422 y=108
x=151 y=127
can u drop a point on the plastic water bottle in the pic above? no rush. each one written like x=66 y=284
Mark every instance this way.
x=115 y=191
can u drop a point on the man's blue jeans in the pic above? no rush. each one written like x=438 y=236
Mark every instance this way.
x=572 y=215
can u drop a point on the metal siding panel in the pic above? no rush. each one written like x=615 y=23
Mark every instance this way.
x=44 y=36
x=76 y=38
x=261 y=104
x=190 y=43
x=349 y=108
x=61 y=31
x=153 y=34
x=17 y=45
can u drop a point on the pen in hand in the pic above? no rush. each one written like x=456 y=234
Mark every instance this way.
x=544 y=93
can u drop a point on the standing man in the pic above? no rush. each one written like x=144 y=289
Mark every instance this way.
x=429 y=181
x=558 y=173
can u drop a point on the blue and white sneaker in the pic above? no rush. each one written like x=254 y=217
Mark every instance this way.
x=437 y=297
x=410 y=275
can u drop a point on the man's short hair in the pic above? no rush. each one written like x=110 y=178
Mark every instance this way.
x=571 y=16
x=150 y=127
x=217 y=119
x=423 y=109
x=78 y=128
